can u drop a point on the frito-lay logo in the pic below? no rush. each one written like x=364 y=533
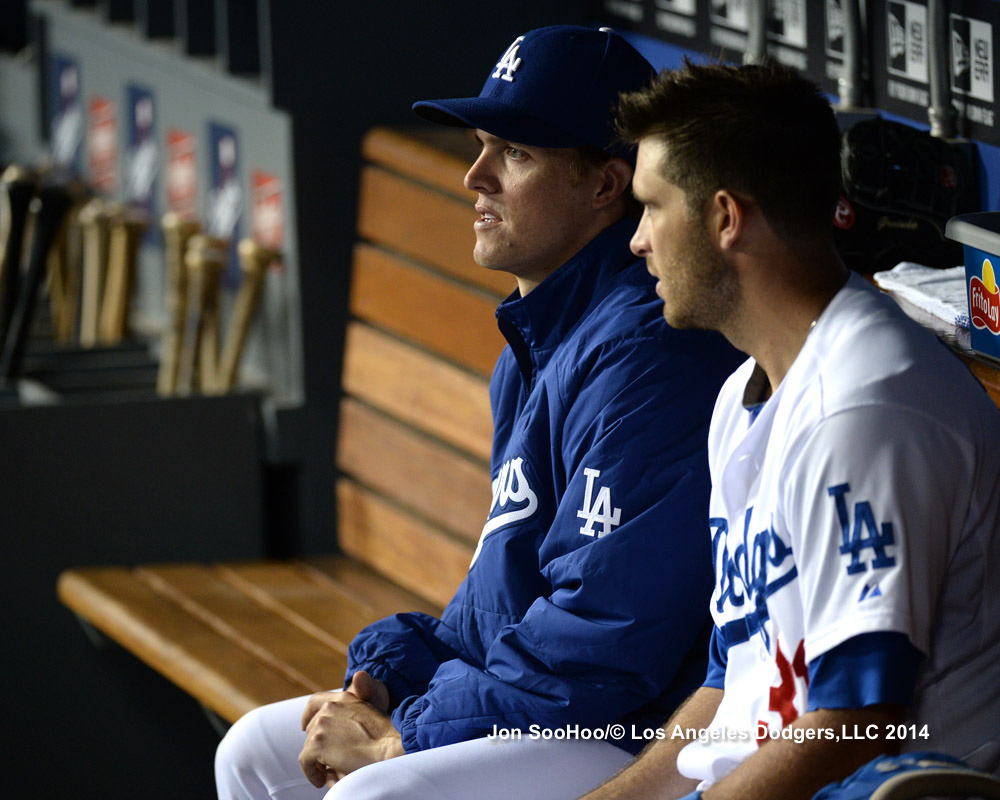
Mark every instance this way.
x=984 y=299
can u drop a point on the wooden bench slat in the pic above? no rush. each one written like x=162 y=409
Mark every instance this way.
x=437 y=156
x=219 y=674
x=283 y=647
x=319 y=609
x=423 y=307
x=428 y=226
x=413 y=469
x=987 y=375
x=419 y=389
x=417 y=556
x=384 y=596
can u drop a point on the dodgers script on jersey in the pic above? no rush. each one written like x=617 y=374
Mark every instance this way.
x=861 y=498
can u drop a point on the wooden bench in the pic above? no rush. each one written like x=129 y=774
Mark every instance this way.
x=413 y=456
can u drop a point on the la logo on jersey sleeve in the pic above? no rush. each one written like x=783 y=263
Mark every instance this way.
x=861 y=535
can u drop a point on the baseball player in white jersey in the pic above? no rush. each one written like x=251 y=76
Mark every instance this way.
x=855 y=463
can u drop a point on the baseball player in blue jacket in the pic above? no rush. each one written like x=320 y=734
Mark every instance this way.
x=581 y=623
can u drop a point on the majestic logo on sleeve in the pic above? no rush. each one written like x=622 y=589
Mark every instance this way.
x=597 y=509
x=864 y=534
x=513 y=500
x=510 y=63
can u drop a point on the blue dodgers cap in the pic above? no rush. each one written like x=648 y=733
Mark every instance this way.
x=553 y=87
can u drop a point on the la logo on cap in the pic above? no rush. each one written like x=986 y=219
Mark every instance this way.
x=984 y=299
x=509 y=64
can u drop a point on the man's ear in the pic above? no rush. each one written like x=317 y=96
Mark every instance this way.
x=616 y=175
x=726 y=218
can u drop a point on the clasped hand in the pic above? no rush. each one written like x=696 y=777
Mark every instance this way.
x=347 y=730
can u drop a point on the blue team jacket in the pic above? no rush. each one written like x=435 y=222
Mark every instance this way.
x=586 y=601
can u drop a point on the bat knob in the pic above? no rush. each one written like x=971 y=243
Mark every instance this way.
x=255 y=257
x=174 y=222
x=92 y=212
x=132 y=218
x=15 y=173
x=205 y=251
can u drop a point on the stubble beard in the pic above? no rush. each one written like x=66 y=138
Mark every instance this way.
x=705 y=292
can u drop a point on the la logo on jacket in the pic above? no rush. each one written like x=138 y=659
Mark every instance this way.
x=598 y=509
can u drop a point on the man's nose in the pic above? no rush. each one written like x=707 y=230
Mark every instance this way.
x=480 y=177
x=640 y=240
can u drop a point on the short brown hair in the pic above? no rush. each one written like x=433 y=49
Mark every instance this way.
x=764 y=131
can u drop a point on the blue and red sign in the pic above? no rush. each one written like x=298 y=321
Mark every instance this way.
x=225 y=198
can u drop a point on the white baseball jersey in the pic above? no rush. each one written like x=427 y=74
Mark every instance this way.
x=862 y=497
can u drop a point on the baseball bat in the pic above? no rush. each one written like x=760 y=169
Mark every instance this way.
x=57 y=265
x=177 y=232
x=850 y=84
x=17 y=187
x=94 y=218
x=204 y=260
x=69 y=317
x=48 y=211
x=756 y=52
x=941 y=113
x=254 y=260
x=123 y=246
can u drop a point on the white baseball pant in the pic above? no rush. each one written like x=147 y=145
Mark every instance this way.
x=258 y=760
